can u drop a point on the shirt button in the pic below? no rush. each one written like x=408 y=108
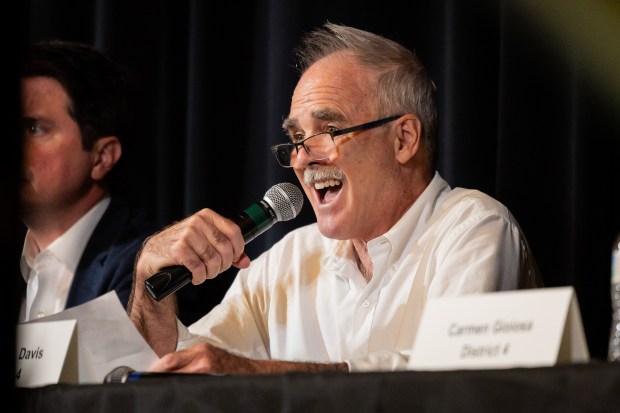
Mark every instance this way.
x=394 y=267
x=40 y=314
x=365 y=304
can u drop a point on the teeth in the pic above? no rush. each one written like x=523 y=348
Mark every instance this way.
x=328 y=183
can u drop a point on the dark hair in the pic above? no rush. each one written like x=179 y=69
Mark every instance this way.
x=403 y=83
x=99 y=89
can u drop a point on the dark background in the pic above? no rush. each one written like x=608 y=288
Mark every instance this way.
x=529 y=100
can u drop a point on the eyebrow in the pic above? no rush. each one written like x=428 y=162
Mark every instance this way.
x=322 y=114
x=31 y=120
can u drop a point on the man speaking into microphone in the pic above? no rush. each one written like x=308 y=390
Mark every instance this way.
x=345 y=293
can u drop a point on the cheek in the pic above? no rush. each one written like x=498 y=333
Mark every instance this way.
x=61 y=165
x=299 y=173
x=35 y=159
x=370 y=177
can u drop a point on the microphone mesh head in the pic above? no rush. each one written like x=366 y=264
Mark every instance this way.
x=285 y=199
x=118 y=375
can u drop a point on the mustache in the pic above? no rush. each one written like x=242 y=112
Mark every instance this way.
x=313 y=175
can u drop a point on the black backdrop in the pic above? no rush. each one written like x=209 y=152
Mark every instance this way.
x=529 y=94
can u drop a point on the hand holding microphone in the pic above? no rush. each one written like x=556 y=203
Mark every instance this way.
x=281 y=202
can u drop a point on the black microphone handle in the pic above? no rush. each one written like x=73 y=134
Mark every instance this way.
x=255 y=220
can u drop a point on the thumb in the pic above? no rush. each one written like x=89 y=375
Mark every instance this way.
x=243 y=261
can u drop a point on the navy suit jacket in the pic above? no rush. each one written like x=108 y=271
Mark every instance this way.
x=108 y=259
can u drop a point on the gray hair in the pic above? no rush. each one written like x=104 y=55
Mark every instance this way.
x=403 y=83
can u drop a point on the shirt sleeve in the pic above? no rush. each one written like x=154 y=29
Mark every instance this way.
x=483 y=253
x=380 y=361
x=230 y=325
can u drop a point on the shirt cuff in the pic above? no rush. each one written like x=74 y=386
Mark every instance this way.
x=379 y=361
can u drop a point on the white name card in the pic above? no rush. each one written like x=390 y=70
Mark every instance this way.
x=106 y=338
x=524 y=328
x=46 y=353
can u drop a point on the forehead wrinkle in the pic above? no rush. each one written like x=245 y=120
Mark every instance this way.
x=327 y=114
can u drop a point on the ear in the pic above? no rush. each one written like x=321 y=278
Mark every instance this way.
x=409 y=138
x=105 y=153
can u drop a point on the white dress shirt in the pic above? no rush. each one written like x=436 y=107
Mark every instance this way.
x=49 y=273
x=306 y=300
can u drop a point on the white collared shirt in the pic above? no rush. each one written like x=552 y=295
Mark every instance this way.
x=49 y=273
x=306 y=300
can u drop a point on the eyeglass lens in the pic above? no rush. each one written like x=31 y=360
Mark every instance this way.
x=319 y=147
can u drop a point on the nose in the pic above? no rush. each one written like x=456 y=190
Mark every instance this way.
x=302 y=158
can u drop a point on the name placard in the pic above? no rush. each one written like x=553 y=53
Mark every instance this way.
x=524 y=328
x=46 y=353
x=105 y=338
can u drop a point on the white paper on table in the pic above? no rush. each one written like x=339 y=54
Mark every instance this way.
x=106 y=338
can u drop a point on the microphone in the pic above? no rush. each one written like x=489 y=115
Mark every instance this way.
x=281 y=202
x=125 y=374
x=121 y=374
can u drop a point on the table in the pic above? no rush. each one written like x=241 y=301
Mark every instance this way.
x=591 y=387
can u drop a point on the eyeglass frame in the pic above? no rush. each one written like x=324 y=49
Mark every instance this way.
x=333 y=134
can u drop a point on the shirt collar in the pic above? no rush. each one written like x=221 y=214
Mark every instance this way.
x=69 y=246
x=401 y=235
x=412 y=223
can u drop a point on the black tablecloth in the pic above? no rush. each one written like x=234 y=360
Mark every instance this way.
x=593 y=387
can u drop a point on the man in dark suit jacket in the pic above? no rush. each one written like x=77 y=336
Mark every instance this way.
x=108 y=259
x=81 y=241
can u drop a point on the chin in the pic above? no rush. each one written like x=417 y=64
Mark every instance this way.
x=331 y=230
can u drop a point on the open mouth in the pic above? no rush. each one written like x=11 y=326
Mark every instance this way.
x=327 y=190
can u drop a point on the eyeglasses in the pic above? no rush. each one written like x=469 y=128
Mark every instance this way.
x=320 y=145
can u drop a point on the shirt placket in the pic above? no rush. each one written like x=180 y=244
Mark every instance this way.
x=365 y=309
